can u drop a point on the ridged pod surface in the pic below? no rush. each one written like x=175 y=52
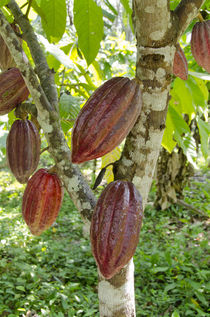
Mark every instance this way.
x=6 y=59
x=115 y=226
x=106 y=119
x=23 y=149
x=42 y=200
x=13 y=90
x=200 y=44
x=180 y=66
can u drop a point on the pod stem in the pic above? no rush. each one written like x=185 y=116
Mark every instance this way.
x=200 y=17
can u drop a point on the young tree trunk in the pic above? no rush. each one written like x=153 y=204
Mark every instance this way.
x=157 y=31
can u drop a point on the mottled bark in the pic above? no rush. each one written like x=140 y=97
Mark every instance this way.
x=173 y=172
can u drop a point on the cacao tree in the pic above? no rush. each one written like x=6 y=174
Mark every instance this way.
x=158 y=26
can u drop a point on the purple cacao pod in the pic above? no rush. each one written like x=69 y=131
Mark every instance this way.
x=106 y=119
x=42 y=200
x=23 y=149
x=115 y=226
x=200 y=44
x=180 y=66
x=6 y=59
x=13 y=90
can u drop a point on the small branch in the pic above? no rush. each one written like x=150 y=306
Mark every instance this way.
x=186 y=11
x=44 y=149
x=29 y=7
x=45 y=74
x=201 y=19
x=26 y=107
x=197 y=211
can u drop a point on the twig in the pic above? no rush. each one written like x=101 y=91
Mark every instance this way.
x=44 y=149
x=29 y=7
x=197 y=211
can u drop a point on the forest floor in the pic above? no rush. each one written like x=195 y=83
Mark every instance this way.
x=55 y=275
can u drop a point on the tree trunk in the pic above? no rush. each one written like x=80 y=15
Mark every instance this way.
x=173 y=172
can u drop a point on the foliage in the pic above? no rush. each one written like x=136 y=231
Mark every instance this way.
x=55 y=274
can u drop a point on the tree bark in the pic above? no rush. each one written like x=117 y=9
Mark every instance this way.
x=157 y=31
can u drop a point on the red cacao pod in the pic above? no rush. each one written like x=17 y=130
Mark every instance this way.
x=180 y=66
x=23 y=149
x=106 y=119
x=42 y=200
x=13 y=90
x=6 y=59
x=115 y=226
x=200 y=44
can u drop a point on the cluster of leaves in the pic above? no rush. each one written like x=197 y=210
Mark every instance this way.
x=55 y=274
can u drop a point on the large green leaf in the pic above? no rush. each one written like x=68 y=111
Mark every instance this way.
x=204 y=131
x=88 y=20
x=168 y=141
x=183 y=97
x=4 y=2
x=54 y=22
x=196 y=92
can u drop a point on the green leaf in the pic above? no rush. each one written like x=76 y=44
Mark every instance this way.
x=175 y=314
x=126 y=5
x=204 y=131
x=68 y=106
x=182 y=96
x=54 y=22
x=168 y=142
x=110 y=6
x=4 y=2
x=200 y=75
x=198 y=97
x=88 y=21
x=20 y=288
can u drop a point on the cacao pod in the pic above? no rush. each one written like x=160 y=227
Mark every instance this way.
x=6 y=59
x=106 y=119
x=180 y=66
x=23 y=149
x=115 y=226
x=200 y=44
x=13 y=90
x=42 y=200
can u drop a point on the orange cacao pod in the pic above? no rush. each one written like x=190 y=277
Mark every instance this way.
x=13 y=90
x=42 y=200
x=6 y=59
x=180 y=67
x=106 y=119
x=23 y=149
x=200 y=44
x=115 y=226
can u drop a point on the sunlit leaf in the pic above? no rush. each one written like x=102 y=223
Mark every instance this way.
x=88 y=20
x=204 y=131
x=54 y=22
x=110 y=158
x=56 y=52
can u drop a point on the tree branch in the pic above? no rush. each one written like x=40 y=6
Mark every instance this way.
x=45 y=74
x=185 y=12
x=49 y=121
